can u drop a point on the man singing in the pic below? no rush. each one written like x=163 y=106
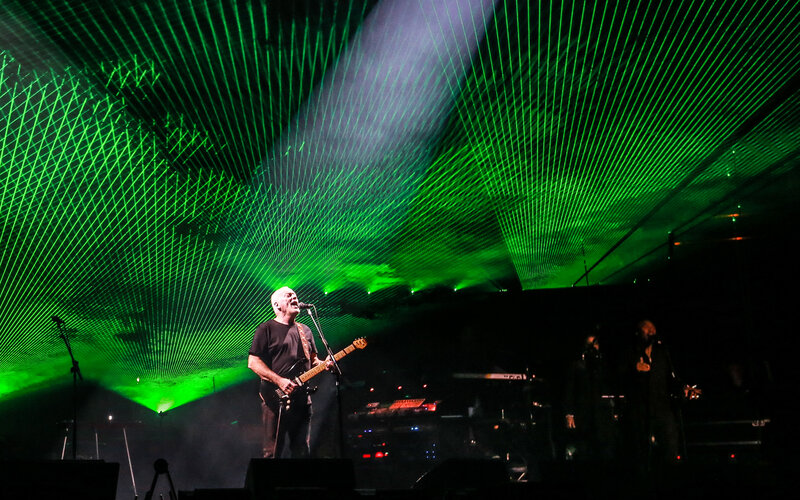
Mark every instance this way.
x=281 y=350
x=651 y=415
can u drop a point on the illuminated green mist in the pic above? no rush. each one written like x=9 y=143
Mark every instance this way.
x=158 y=179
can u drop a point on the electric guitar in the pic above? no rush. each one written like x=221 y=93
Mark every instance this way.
x=271 y=393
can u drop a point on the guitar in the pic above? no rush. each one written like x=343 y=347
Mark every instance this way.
x=271 y=393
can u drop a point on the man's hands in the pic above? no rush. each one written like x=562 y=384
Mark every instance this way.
x=570 y=421
x=327 y=361
x=642 y=365
x=691 y=392
x=286 y=385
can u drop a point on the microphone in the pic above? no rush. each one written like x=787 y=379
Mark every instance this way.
x=57 y=320
x=303 y=305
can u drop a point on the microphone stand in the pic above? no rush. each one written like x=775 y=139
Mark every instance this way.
x=76 y=374
x=679 y=410
x=336 y=371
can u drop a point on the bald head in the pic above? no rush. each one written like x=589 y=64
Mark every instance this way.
x=284 y=303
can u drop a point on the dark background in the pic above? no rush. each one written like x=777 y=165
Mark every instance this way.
x=716 y=304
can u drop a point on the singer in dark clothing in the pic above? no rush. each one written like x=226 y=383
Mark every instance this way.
x=589 y=416
x=650 y=416
x=281 y=350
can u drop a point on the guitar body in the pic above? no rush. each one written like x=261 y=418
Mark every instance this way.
x=271 y=394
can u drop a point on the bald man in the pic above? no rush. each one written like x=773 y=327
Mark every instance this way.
x=283 y=349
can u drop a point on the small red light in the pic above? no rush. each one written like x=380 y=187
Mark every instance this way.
x=424 y=386
x=678 y=457
x=399 y=387
x=379 y=454
x=733 y=455
x=366 y=455
x=677 y=243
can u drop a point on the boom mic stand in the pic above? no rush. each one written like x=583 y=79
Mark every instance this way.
x=76 y=374
x=336 y=371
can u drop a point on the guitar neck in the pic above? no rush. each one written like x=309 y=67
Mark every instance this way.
x=305 y=377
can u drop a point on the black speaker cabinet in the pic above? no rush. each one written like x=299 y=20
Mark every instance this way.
x=61 y=479
x=216 y=494
x=267 y=477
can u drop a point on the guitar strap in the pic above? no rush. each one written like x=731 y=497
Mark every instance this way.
x=304 y=341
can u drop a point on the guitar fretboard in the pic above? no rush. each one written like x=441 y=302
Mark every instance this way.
x=321 y=367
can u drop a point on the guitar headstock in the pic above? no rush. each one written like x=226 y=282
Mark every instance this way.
x=360 y=343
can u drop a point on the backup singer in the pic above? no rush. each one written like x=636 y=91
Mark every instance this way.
x=653 y=389
x=589 y=417
x=283 y=348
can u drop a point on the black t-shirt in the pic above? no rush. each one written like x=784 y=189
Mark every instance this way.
x=279 y=346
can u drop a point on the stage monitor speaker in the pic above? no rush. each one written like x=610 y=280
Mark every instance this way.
x=61 y=479
x=464 y=473
x=265 y=476
x=216 y=494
